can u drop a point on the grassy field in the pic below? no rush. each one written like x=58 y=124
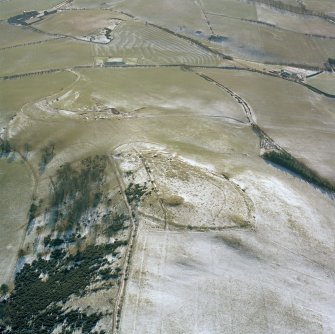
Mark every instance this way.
x=14 y=206
x=325 y=6
x=297 y=23
x=13 y=35
x=15 y=93
x=263 y=43
x=64 y=53
x=71 y=22
x=172 y=14
x=175 y=118
x=233 y=8
x=166 y=89
x=93 y=3
x=324 y=81
x=14 y=7
x=301 y=122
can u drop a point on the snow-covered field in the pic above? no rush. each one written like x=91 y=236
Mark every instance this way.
x=276 y=278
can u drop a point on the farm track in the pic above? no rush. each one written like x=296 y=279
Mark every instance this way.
x=129 y=250
x=265 y=140
x=245 y=106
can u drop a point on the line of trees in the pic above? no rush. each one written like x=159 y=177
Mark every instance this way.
x=286 y=160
